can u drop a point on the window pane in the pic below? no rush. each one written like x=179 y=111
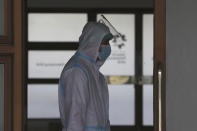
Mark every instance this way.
x=1 y=97
x=47 y=64
x=121 y=60
x=121 y=63
x=148 y=68
x=2 y=19
x=148 y=105
x=121 y=104
x=148 y=44
x=58 y=27
x=43 y=101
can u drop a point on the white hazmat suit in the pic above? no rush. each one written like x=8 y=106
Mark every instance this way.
x=83 y=91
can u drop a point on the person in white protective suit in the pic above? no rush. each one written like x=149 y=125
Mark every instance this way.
x=83 y=91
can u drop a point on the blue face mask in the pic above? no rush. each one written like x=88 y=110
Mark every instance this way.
x=105 y=52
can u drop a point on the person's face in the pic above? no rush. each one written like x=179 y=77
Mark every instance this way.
x=103 y=43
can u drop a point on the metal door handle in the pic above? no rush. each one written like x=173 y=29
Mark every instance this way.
x=159 y=100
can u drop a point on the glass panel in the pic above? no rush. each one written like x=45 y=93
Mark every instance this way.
x=148 y=44
x=148 y=105
x=43 y=101
x=118 y=65
x=122 y=55
x=148 y=68
x=122 y=104
x=1 y=97
x=47 y=64
x=58 y=27
x=2 y=18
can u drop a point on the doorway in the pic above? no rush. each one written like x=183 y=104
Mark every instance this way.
x=141 y=99
x=130 y=83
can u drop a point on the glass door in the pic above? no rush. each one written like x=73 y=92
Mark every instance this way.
x=130 y=81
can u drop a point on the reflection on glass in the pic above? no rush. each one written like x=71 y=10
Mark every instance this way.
x=2 y=19
x=47 y=64
x=58 y=27
x=1 y=97
x=122 y=104
x=121 y=60
x=148 y=105
x=148 y=44
x=43 y=101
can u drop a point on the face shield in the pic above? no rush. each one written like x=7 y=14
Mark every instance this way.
x=112 y=29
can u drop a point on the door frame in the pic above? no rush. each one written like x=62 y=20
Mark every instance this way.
x=11 y=56
x=159 y=64
x=6 y=60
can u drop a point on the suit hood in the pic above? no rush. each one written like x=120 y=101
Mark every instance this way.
x=92 y=35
